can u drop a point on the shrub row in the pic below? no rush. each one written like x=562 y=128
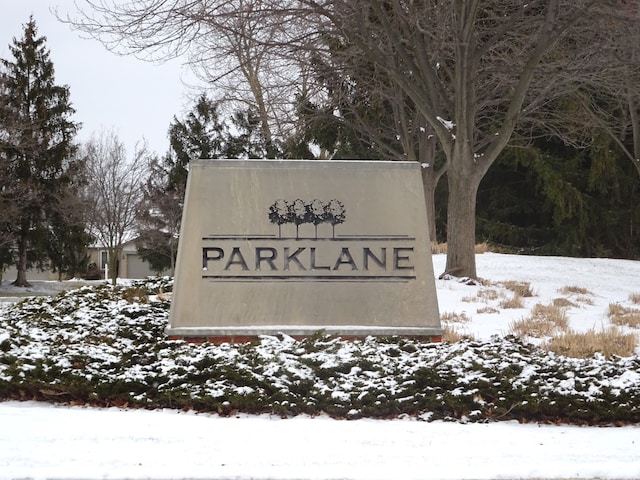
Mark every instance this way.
x=106 y=346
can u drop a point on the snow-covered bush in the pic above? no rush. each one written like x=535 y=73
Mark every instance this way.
x=106 y=345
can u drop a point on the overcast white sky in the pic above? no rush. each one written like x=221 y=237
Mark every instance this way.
x=134 y=98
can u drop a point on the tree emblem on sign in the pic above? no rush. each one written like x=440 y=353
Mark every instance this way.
x=336 y=214
x=300 y=212
x=280 y=213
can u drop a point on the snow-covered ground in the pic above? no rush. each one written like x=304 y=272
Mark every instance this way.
x=43 y=441
x=607 y=281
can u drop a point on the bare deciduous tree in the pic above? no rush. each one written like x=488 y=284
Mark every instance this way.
x=159 y=217
x=383 y=116
x=113 y=192
x=610 y=99
x=229 y=45
x=476 y=70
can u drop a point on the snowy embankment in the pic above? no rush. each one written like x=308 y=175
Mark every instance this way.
x=106 y=347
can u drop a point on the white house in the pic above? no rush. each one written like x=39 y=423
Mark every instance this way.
x=130 y=265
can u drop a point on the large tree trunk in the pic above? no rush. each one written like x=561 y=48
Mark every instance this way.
x=21 y=265
x=461 y=221
x=430 y=178
x=114 y=256
x=429 y=184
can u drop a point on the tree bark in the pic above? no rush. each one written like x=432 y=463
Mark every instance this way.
x=429 y=185
x=21 y=265
x=114 y=255
x=464 y=177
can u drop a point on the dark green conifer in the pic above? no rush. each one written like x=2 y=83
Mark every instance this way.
x=36 y=147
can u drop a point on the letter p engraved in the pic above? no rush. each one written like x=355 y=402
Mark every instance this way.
x=217 y=252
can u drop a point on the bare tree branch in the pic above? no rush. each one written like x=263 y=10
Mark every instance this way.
x=113 y=192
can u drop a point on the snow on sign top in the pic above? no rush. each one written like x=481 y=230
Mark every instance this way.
x=298 y=246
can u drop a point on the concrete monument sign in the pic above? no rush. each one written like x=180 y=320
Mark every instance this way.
x=298 y=246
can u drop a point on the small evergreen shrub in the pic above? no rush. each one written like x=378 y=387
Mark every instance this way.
x=106 y=350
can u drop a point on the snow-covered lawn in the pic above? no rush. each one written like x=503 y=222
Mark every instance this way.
x=38 y=440
x=608 y=281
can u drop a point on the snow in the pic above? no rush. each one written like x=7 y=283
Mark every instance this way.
x=448 y=124
x=39 y=440
x=609 y=281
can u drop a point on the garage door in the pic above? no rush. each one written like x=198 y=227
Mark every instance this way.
x=137 y=268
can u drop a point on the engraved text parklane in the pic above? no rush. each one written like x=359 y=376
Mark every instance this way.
x=238 y=258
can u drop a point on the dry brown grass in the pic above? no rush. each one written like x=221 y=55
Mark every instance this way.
x=135 y=295
x=585 y=300
x=581 y=345
x=454 y=317
x=545 y=321
x=530 y=327
x=437 y=248
x=563 y=303
x=488 y=294
x=624 y=316
x=578 y=294
x=487 y=309
x=551 y=321
x=574 y=290
x=513 y=302
x=522 y=289
x=484 y=295
x=452 y=335
x=450 y=322
x=634 y=298
x=553 y=313
x=483 y=247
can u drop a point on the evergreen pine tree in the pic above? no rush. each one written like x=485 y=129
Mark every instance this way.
x=201 y=134
x=35 y=145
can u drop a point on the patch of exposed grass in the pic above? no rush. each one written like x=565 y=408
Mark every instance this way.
x=487 y=309
x=553 y=313
x=136 y=294
x=544 y=321
x=522 y=289
x=441 y=248
x=454 y=317
x=584 y=299
x=488 y=294
x=438 y=248
x=634 y=298
x=610 y=342
x=484 y=295
x=624 y=316
x=578 y=294
x=574 y=290
x=513 y=302
x=453 y=335
x=450 y=321
x=563 y=303
x=531 y=327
